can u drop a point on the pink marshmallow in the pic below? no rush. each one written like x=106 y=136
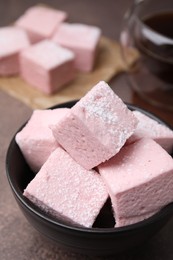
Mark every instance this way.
x=47 y=66
x=132 y=220
x=40 y=22
x=36 y=140
x=82 y=40
x=139 y=180
x=150 y=128
x=12 y=41
x=65 y=190
x=96 y=127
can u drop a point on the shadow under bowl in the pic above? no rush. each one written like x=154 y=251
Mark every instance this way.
x=92 y=241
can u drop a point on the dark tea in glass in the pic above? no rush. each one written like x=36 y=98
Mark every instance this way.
x=149 y=30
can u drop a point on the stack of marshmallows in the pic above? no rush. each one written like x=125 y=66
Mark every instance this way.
x=95 y=151
x=46 y=51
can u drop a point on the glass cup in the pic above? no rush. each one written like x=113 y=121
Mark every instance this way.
x=148 y=32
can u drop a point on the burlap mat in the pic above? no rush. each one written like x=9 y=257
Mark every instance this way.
x=108 y=64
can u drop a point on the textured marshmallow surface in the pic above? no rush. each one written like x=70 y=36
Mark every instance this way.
x=139 y=179
x=82 y=40
x=47 y=66
x=47 y=54
x=67 y=191
x=36 y=140
x=40 y=22
x=96 y=127
x=12 y=41
x=150 y=128
x=132 y=220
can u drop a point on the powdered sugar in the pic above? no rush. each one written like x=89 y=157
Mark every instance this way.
x=97 y=105
x=100 y=109
x=147 y=127
x=71 y=191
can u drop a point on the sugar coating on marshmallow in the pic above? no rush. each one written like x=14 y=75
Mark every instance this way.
x=36 y=140
x=40 y=22
x=47 y=66
x=96 y=127
x=147 y=127
x=139 y=179
x=12 y=41
x=67 y=191
x=82 y=40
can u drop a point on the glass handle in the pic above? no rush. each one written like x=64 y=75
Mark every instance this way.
x=128 y=23
x=131 y=10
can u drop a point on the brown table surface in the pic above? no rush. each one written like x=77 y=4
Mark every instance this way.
x=18 y=240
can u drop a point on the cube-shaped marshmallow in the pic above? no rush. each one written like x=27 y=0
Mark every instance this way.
x=12 y=41
x=139 y=179
x=96 y=127
x=67 y=191
x=35 y=140
x=82 y=40
x=147 y=127
x=47 y=66
x=40 y=22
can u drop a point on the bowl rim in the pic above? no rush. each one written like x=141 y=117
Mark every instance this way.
x=101 y=231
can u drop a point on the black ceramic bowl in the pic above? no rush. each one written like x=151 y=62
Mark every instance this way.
x=94 y=241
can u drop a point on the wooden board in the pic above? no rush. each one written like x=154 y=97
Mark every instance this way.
x=108 y=64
